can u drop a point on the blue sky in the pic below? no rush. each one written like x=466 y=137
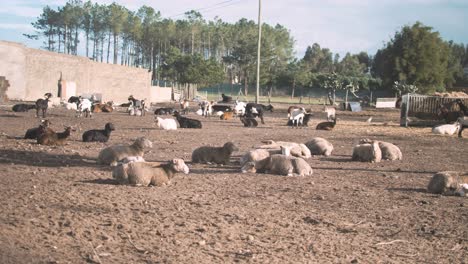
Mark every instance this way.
x=340 y=25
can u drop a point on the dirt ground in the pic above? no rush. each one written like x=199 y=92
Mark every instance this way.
x=57 y=207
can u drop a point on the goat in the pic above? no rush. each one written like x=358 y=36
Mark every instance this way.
x=462 y=106
x=51 y=138
x=166 y=124
x=219 y=155
x=448 y=129
x=23 y=107
x=248 y=121
x=185 y=122
x=205 y=106
x=463 y=121
x=97 y=135
x=138 y=105
x=239 y=108
x=184 y=106
x=305 y=120
x=85 y=106
x=42 y=105
x=326 y=125
x=148 y=173
x=445 y=112
x=111 y=155
x=164 y=111
x=257 y=110
x=223 y=108
x=331 y=111
x=226 y=99
x=34 y=133
x=226 y=116
x=296 y=116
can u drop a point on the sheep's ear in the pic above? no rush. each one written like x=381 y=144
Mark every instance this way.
x=174 y=161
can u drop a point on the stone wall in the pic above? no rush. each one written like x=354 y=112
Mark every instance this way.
x=33 y=72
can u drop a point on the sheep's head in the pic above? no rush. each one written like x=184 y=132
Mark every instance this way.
x=180 y=166
x=230 y=147
x=45 y=123
x=109 y=127
x=249 y=167
x=143 y=142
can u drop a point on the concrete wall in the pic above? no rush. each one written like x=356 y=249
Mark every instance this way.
x=33 y=72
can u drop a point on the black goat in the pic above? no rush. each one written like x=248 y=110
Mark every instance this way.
x=185 y=122
x=34 y=133
x=164 y=111
x=226 y=99
x=248 y=121
x=98 y=135
x=445 y=112
x=256 y=110
x=462 y=106
x=43 y=104
x=222 y=108
x=137 y=104
x=23 y=107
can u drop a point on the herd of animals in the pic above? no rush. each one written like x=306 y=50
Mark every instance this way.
x=281 y=158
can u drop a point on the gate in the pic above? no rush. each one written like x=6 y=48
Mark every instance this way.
x=422 y=110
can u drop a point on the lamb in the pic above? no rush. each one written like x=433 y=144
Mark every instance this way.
x=96 y=135
x=218 y=155
x=111 y=155
x=449 y=183
x=282 y=165
x=185 y=122
x=166 y=124
x=319 y=146
x=23 y=107
x=42 y=105
x=297 y=150
x=34 y=133
x=389 y=150
x=447 y=129
x=52 y=138
x=148 y=173
x=248 y=121
x=367 y=152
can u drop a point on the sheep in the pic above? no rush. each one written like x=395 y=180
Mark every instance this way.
x=96 y=135
x=449 y=183
x=297 y=149
x=331 y=111
x=166 y=124
x=446 y=129
x=248 y=121
x=258 y=157
x=111 y=155
x=85 y=106
x=326 y=125
x=148 y=173
x=319 y=146
x=42 y=105
x=34 y=133
x=226 y=116
x=52 y=138
x=287 y=165
x=185 y=122
x=218 y=155
x=389 y=150
x=164 y=111
x=23 y=107
x=367 y=152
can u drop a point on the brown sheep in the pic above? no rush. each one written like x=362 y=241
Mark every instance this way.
x=219 y=155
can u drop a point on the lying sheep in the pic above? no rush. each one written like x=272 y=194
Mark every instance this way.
x=297 y=150
x=281 y=165
x=259 y=157
x=389 y=150
x=367 y=152
x=166 y=124
x=319 y=146
x=111 y=155
x=448 y=129
x=449 y=183
x=148 y=173
x=219 y=155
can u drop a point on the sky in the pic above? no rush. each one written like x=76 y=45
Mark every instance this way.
x=340 y=25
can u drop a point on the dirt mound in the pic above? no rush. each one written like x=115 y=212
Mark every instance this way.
x=452 y=94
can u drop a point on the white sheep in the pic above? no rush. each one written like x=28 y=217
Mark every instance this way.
x=166 y=124
x=297 y=149
x=111 y=155
x=389 y=150
x=319 y=146
x=148 y=173
x=449 y=183
x=447 y=129
x=367 y=152
x=287 y=165
x=258 y=157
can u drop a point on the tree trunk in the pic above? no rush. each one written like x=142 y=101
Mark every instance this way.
x=116 y=47
x=108 y=47
x=293 y=88
x=75 y=48
x=193 y=41
x=87 y=44
x=246 y=85
x=346 y=99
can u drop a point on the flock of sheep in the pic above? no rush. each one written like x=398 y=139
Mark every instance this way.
x=273 y=157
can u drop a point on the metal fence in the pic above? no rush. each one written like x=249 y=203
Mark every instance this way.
x=422 y=110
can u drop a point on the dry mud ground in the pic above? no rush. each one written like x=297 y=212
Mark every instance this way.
x=57 y=208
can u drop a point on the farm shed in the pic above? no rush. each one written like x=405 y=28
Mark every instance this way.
x=421 y=110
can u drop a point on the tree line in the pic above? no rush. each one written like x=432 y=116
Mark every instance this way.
x=194 y=50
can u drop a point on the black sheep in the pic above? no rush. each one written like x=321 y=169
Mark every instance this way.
x=164 y=111
x=43 y=104
x=185 y=122
x=98 y=135
x=34 y=133
x=23 y=107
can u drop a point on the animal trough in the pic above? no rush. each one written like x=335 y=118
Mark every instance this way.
x=423 y=110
